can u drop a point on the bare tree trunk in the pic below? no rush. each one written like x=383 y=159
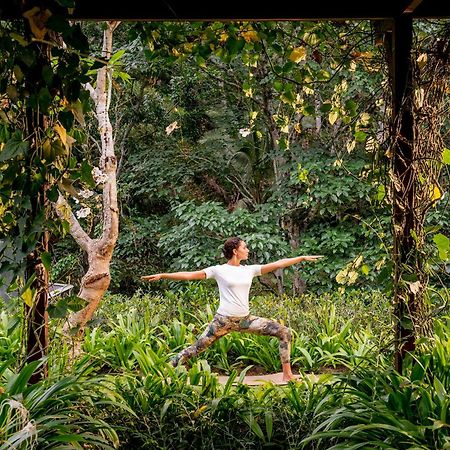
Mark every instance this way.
x=36 y=314
x=99 y=251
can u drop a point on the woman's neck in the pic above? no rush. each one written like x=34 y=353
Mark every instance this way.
x=234 y=261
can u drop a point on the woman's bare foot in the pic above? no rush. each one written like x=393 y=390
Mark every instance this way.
x=291 y=377
x=287 y=373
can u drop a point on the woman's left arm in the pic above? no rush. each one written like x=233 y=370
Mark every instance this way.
x=286 y=262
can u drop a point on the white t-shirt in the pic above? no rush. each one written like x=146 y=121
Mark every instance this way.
x=234 y=286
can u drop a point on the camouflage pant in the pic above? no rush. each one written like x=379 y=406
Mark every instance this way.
x=222 y=325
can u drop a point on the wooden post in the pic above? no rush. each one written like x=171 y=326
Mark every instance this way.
x=403 y=182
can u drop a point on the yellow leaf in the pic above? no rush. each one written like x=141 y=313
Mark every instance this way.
x=62 y=133
x=352 y=276
x=250 y=36
x=20 y=39
x=223 y=37
x=11 y=92
x=332 y=117
x=38 y=19
x=341 y=276
x=298 y=54
x=27 y=297
x=350 y=146
x=248 y=92
x=18 y=73
x=364 y=118
x=253 y=115
x=415 y=287
x=422 y=60
x=436 y=193
x=47 y=149
x=199 y=411
x=77 y=110
x=367 y=55
x=358 y=261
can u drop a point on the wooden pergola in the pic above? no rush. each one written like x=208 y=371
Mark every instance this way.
x=135 y=10
x=396 y=16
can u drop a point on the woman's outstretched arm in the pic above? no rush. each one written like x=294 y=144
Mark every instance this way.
x=286 y=262
x=180 y=276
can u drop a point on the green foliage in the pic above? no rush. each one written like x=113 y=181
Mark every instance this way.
x=123 y=392
x=197 y=239
x=209 y=109
x=394 y=411
x=54 y=413
x=136 y=248
x=42 y=98
x=10 y=336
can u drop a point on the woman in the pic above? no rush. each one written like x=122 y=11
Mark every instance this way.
x=234 y=281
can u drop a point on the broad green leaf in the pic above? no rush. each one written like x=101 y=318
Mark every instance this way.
x=360 y=136
x=14 y=147
x=46 y=259
x=381 y=193
x=278 y=86
x=114 y=58
x=443 y=244
x=86 y=174
x=323 y=75
x=268 y=418
x=45 y=99
x=325 y=107
x=350 y=106
x=18 y=382
x=19 y=38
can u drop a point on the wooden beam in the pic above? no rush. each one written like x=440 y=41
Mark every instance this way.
x=412 y=6
x=180 y=10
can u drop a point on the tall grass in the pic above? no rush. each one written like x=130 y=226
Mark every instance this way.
x=123 y=393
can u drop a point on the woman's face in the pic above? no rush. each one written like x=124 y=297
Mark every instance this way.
x=242 y=251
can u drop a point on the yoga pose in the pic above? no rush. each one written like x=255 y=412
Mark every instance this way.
x=234 y=281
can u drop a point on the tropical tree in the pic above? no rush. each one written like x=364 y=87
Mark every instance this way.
x=99 y=250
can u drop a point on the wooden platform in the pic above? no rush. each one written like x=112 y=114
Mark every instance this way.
x=255 y=380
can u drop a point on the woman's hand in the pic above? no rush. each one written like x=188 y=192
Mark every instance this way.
x=155 y=277
x=312 y=257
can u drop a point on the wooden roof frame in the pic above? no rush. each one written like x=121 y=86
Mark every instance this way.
x=182 y=10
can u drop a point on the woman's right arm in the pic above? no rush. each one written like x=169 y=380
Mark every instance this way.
x=179 y=276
